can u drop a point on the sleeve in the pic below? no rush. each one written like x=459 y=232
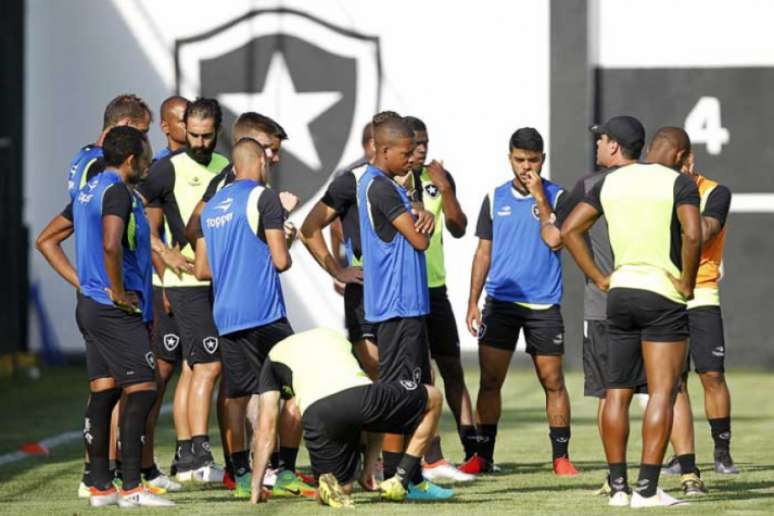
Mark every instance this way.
x=718 y=204
x=385 y=200
x=117 y=201
x=416 y=193
x=452 y=184
x=686 y=191
x=159 y=183
x=594 y=196
x=270 y=209
x=267 y=380
x=484 y=225
x=341 y=193
x=212 y=187
x=568 y=201
x=67 y=212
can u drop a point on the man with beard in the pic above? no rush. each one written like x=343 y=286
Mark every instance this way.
x=171 y=190
x=172 y=125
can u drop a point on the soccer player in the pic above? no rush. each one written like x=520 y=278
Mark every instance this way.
x=655 y=234
x=171 y=190
x=338 y=402
x=706 y=344
x=172 y=125
x=113 y=251
x=523 y=278
x=243 y=249
x=434 y=190
x=340 y=200
x=622 y=144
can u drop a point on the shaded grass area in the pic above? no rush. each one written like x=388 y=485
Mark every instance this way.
x=32 y=410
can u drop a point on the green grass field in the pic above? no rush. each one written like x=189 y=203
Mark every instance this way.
x=32 y=410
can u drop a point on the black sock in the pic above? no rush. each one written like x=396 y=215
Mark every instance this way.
x=287 y=458
x=132 y=429
x=200 y=447
x=184 y=454
x=240 y=462
x=274 y=460
x=434 y=453
x=115 y=469
x=96 y=433
x=647 y=483
x=229 y=466
x=721 y=432
x=407 y=470
x=486 y=442
x=618 y=479
x=687 y=463
x=560 y=440
x=150 y=473
x=391 y=461
x=87 y=480
x=469 y=439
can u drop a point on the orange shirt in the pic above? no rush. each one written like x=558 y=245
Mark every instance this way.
x=712 y=250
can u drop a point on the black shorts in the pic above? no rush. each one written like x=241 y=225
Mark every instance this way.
x=636 y=315
x=243 y=353
x=193 y=311
x=332 y=425
x=354 y=314
x=404 y=352
x=117 y=343
x=441 y=326
x=707 y=343
x=165 y=340
x=595 y=342
x=502 y=321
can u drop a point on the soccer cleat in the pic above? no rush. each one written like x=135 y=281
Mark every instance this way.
x=270 y=477
x=724 y=464
x=306 y=479
x=229 y=481
x=660 y=499
x=693 y=485
x=477 y=465
x=102 y=498
x=243 y=485
x=208 y=473
x=619 y=499
x=84 y=491
x=564 y=468
x=161 y=484
x=392 y=490
x=605 y=490
x=288 y=485
x=332 y=494
x=672 y=467
x=141 y=497
x=442 y=470
x=427 y=492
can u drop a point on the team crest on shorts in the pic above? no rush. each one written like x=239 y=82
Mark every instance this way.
x=171 y=341
x=481 y=331
x=210 y=344
x=409 y=385
x=322 y=82
x=151 y=359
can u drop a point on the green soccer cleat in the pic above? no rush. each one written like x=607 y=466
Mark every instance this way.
x=243 y=487
x=289 y=485
x=331 y=493
x=392 y=490
x=428 y=492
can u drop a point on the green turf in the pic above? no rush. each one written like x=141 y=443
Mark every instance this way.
x=32 y=410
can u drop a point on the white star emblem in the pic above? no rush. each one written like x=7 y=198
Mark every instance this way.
x=294 y=110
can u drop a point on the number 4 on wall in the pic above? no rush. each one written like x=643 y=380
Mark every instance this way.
x=703 y=125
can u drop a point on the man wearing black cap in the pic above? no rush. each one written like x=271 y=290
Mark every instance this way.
x=652 y=213
x=619 y=143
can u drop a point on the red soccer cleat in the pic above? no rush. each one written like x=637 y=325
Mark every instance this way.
x=473 y=466
x=564 y=468
x=229 y=481
x=306 y=479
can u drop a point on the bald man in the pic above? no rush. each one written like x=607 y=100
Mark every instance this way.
x=652 y=212
x=172 y=125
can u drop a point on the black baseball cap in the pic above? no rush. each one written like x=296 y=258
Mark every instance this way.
x=626 y=130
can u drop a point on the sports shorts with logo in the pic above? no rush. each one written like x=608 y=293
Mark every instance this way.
x=633 y=316
x=332 y=425
x=404 y=352
x=595 y=343
x=243 y=353
x=117 y=343
x=192 y=307
x=707 y=343
x=354 y=314
x=441 y=326
x=502 y=321
x=165 y=340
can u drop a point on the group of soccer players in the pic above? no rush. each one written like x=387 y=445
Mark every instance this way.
x=178 y=259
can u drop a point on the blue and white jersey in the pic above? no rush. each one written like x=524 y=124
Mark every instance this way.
x=76 y=176
x=247 y=287
x=394 y=273
x=523 y=268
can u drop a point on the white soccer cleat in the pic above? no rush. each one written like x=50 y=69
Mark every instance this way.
x=442 y=470
x=270 y=477
x=142 y=497
x=619 y=499
x=83 y=491
x=104 y=498
x=660 y=499
x=162 y=484
x=209 y=474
